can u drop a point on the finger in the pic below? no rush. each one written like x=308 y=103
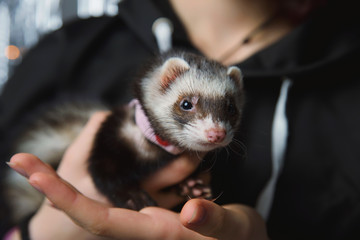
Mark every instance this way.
x=173 y=173
x=85 y=212
x=177 y=195
x=167 y=200
x=229 y=222
x=27 y=164
x=151 y=223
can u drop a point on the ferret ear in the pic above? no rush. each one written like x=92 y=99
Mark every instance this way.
x=171 y=69
x=235 y=74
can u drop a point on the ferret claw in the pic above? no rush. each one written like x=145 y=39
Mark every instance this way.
x=194 y=188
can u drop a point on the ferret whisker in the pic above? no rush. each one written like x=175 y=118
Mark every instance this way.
x=237 y=146
x=227 y=150
x=238 y=143
x=213 y=162
x=124 y=153
x=216 y=198
x=198 y=155
x=233 y=149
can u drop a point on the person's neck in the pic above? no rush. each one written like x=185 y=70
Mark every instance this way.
x=215 y=26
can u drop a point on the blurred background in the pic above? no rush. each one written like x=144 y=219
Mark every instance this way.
x=23 y=22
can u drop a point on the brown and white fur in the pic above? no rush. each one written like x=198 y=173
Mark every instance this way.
x=191 y=103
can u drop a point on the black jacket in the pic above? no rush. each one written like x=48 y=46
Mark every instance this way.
x=318 y=191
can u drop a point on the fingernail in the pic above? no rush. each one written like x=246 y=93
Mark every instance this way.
x=198 y=215
x=10 y=164
x=17 y=169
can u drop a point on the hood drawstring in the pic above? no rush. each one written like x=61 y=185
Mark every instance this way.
x=278 y=150
x=162 y=29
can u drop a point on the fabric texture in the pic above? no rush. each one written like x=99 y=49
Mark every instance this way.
x=317 y=195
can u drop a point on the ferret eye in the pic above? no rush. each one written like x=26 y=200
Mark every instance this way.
x=186 y=105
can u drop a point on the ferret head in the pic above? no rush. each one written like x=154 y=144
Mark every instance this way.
x=192 y=102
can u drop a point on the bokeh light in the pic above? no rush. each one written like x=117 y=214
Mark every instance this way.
x=12 y=52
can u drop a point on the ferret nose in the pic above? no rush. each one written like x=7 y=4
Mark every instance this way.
x=215 y=135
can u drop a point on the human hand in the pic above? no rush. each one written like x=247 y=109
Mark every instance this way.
x=233 y=221
x=199 y=219
x=103 y=220
x=73 y=169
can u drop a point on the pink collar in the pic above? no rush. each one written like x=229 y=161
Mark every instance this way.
x=143 y=123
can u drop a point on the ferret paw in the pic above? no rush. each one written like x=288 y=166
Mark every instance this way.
x=194 y=188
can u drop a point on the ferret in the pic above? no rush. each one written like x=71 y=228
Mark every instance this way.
x=183 y=102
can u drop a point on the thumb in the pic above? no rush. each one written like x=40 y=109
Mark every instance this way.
x=223 y=222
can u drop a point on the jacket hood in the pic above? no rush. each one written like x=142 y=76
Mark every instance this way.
x=324 y=40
